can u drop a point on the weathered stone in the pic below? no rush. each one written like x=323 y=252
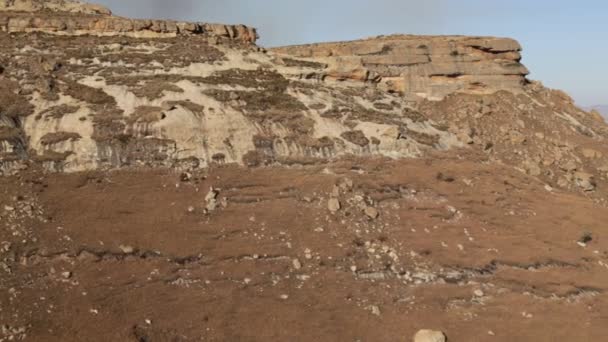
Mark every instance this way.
x=585 y=181
x=28 y=16
x=432 y=66
x=429 y=336
x=372 y=212
x=334 y=205
x=126 y=249
x=211 y=199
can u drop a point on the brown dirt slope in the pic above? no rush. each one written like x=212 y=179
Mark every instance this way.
x=477 y=251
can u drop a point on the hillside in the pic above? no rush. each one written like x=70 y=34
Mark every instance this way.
x=174 y=181
x=602 y=109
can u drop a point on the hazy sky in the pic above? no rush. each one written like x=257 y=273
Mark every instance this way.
x=565 y=42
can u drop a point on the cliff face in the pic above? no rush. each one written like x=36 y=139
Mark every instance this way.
x=426 y=66
x=81 y=89
x=71 y=18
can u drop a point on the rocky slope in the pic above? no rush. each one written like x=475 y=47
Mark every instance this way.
x=85 y=91
x=170 y=181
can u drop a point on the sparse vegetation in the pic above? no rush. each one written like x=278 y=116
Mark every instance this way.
x=356 y=137
x=58 y=137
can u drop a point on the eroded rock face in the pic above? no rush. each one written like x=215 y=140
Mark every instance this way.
x=85 y=102
x=187 y=95
x=63 y=17
x=427 y=66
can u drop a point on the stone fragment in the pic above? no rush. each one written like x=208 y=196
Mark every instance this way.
x=211 y=199
x=372 y=213
x=126 y=249
x=430 y=336
x=334 y=205
x=585 y=181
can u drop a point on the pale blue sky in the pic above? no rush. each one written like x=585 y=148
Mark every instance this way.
x=565 y=42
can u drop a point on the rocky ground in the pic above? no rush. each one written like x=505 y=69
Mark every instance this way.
x=358 y=250
x=171 y=181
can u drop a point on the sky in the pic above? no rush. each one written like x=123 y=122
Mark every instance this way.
x=565 y=42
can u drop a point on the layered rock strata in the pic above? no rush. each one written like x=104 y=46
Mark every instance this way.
x=60 y=17
x=427 y=66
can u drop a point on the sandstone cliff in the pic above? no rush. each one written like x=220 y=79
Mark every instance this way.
x=67 y=17
x=426 y=66
x=81 y=90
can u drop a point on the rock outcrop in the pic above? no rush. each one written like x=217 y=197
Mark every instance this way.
x=63 y=17
x=70 y=6
x=427 y=66
x=81 y=90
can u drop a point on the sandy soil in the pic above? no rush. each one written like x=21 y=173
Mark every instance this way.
x=476 y=250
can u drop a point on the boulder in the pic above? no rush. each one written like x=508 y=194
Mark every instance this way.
x=430 y=336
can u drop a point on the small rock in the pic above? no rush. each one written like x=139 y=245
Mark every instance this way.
x=9 y=208
x=211 y=199
x=430 y=336
x=347 y=184
x=308 y=254
x=185 y=176
x=284 y=297
x=296 y=264
x=66 y=275
x=372 y=212
x=478 y=293
x=445 y=177
x=375 y=310
x=586 y=238
x=126 y=249
x=334 y=205
x=584 y=180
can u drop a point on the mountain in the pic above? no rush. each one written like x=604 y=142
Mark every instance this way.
x=174 y=181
